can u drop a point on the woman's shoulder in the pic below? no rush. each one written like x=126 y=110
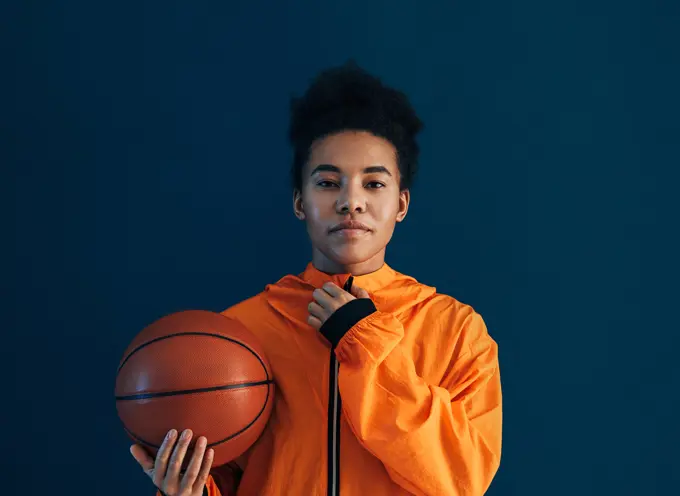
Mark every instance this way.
x=267 y=308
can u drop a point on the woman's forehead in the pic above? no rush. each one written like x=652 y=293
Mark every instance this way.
x=352 y=152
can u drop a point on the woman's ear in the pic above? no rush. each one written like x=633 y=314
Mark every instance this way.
x=404 y=201
x=298 y=207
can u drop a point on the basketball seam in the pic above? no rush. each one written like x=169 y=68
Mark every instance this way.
x=181 y=392
x=215 y=335
x=270 y=384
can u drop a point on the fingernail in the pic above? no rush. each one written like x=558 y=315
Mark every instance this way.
x=186 y=434
x=170 y=434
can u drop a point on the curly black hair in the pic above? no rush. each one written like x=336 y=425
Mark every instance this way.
x=349 y=98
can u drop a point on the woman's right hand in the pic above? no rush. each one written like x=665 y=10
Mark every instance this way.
x=165 y=470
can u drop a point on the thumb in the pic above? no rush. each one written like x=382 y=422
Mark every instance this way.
x=359 y=292
x=142 y=457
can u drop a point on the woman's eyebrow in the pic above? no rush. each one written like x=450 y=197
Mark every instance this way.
x=368 y=170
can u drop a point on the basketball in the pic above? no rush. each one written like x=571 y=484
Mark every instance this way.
x=195 y=370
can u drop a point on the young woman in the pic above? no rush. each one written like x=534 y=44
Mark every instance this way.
x=384 y=386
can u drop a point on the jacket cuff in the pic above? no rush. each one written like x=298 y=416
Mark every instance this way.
x=346 y=317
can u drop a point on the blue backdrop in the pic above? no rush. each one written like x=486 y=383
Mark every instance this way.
x=145 y=165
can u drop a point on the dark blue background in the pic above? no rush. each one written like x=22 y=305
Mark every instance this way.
x=145 y=146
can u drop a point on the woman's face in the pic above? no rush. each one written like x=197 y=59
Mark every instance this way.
x=351 y=201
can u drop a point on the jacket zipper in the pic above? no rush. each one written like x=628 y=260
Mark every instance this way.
x=334 y=410
x=333 y=429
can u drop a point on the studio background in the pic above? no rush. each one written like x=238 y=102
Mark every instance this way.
x=145 y=171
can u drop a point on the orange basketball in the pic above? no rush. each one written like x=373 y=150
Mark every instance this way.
x=195 y=370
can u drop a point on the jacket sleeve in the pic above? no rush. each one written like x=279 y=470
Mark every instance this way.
x=222 y=481
x=434 y=439
x=225 y=480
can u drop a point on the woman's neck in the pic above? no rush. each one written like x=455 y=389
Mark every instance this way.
x=325 y=264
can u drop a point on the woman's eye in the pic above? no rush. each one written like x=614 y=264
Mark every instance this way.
x=326 y=184
x=375 y=185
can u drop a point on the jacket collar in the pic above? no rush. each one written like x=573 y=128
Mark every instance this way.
x=371 y=282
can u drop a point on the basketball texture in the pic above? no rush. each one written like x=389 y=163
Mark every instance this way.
x=195 y=370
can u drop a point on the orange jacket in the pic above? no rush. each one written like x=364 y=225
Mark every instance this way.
x=397 y=395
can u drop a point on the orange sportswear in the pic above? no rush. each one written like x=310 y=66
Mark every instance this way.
x=399 y=394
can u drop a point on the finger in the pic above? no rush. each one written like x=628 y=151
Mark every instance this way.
x=323 y=298
x=338 y=295
x=314 y=322
x=316 y=310
x=143 y=458
x=177 y=458
x=195 y=463
x=202 y=478
x=359 y=292
x=161 y=463
x=333 y=289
